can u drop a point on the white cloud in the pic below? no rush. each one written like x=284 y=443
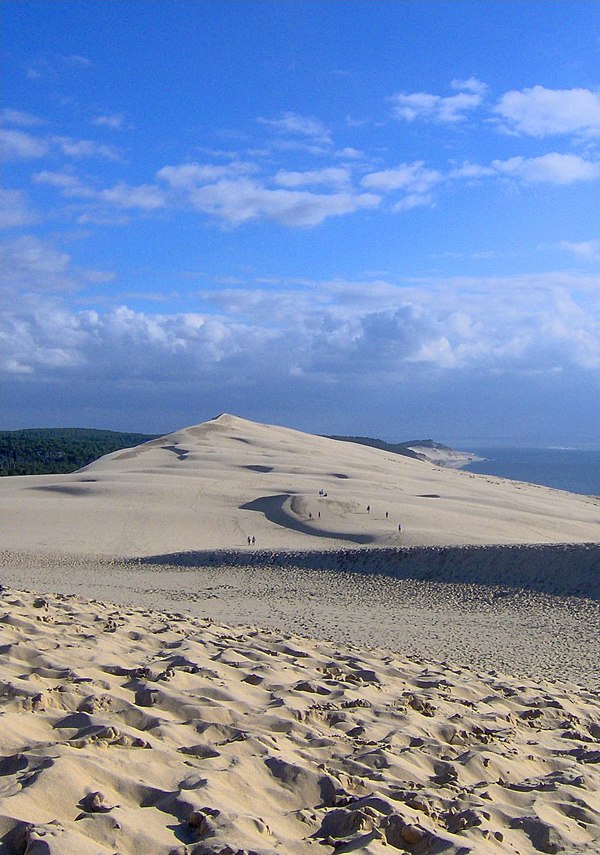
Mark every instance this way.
x=295 y=124
x=15 y=210
x=189 y=175
x=587 y=250
x=405 y=347
x=414 y=200
x=20 y=118
x=148 y=197
x=472 y=84
x=349 y=153
x=332 y=176
x=78 y=59
x=413 y=177
x=66 y=182
x=114 y=121
x=18 y=144
x=450 y=109
x=242 y=200
x=86 y=148
x=553 y=168
x=31 y=266
x=540 y=112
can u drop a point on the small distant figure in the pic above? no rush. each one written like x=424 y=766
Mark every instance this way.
x=368 y=509
x=249 y=540
x=310 y=515
x=319 y=514
x=253 y=541
x=399 y=527
x=386 y=515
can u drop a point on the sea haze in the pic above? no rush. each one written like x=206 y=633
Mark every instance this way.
x=575 y=470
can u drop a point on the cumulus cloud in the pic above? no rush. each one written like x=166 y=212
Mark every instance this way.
x=552 y=168
x=15 y=210
x=66 y=182
x=16 y=145
x=586 y=250
x=189 y=175
x=86 y=148
x=371 y=340
x=413 y=177
x=332 y=176
x=19 y=118
x=146 y=197
x=31 y=266
x=242 y=200
x=447 y=110
x=540 y=112
x=517 y=324
x=296 y=125
x=114 y=121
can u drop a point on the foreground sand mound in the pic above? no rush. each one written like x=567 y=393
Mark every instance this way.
x=127 y=730
x=234 y=484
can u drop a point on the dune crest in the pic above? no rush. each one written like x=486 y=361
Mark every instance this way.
x=203 y=487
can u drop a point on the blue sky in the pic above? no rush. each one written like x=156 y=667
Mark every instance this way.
x=353 y=217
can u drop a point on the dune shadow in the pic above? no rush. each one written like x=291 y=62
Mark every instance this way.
x=273 y=508
x=66 y=489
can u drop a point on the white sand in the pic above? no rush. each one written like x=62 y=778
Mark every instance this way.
x=128 y=730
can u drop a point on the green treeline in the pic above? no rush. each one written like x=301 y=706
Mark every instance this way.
x=403 y=448
x=41 y=451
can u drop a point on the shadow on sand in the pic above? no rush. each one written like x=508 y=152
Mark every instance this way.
x=273 y=507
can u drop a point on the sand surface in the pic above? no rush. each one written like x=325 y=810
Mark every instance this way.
x=337 y=686
x=126 y=730
x=214 y=485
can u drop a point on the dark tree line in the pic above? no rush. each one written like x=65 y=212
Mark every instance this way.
x=41 y=451
x=403 y=448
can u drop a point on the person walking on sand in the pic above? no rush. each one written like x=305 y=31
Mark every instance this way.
x=368 y=509
x=386 y=514
x=399 y=527
x=249 y=540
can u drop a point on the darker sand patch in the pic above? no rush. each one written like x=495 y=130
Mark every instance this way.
x=65 y=489
x=258 y=468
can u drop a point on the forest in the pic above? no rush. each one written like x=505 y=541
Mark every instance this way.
x=41 y=451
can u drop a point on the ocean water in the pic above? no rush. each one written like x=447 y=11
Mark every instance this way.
x=575 y=470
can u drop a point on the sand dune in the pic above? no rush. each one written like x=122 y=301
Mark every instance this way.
x=126 y=730
x=169 y=723
x=214 y=485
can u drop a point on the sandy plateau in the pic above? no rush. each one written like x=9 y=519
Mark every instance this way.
x=240 y=638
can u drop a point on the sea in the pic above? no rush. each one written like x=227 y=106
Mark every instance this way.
x=575 y=470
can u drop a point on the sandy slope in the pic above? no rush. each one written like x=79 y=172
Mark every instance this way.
x=216 y=484
x=126 y=730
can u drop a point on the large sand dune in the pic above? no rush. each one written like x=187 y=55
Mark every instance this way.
x=207 y=728
x=214 y=485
